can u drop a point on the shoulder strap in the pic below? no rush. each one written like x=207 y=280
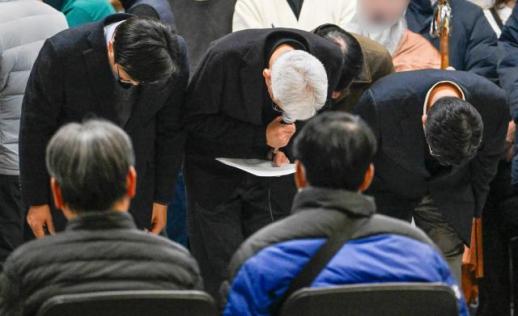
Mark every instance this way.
x=319 y=261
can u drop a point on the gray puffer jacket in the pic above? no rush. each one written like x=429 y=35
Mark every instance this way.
x=24 y=26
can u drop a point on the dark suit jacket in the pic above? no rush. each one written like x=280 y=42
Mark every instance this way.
x=227 y=94
x=508 y=68
x=71 y=81
x=473 y=43
x=393 y=108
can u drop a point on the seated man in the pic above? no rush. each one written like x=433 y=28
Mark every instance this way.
x=330 y=201
x=442 y=135
x=384 y=22
x=92 y=181
x=365 y=62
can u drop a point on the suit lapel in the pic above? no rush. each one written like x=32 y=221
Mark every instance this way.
x=405 y=142
x=412 y=139
x=102 y=82
x=99 y=71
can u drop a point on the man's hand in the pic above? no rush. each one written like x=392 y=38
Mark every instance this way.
x=39 y=218
x=278 y=135
x=280 y=159
x=158 y=218
x=509 y=141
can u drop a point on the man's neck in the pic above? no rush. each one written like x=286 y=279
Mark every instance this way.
x=443 y=90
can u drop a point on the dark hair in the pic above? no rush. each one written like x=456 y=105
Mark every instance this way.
x=351 y=52
x=499 y=4
x=144 y=48
x=90 y=162
x=336 y=150
x=453 y=130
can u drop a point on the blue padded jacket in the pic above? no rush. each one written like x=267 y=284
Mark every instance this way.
x=262 y=269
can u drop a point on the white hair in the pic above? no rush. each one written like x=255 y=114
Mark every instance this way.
x=299 y=85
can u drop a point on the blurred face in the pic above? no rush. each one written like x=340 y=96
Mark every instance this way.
x=381 y=13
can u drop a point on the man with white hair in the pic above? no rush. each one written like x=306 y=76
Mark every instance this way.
x=246 y=100
x=299 y=85
x=384 y=21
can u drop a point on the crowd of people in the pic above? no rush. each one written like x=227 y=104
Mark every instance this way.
x=118 y=119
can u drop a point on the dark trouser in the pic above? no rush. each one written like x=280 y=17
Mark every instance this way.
x=11 y=216
x=499 y=225
x=222 y=213
x=176 y=214
x=428 y=217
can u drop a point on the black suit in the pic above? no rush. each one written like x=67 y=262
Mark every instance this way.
x=227 y=111
x=393 y=108
x=71 y=81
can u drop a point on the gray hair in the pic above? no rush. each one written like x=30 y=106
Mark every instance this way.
x=299 y=83
x=90 y=162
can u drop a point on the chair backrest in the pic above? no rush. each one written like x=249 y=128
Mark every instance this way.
x=131 y=303
x=386 y=299
x=513 y=270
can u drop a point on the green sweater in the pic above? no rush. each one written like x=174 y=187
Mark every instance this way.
x=80 y=12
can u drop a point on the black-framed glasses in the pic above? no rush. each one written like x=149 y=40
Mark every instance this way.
x=432 y=152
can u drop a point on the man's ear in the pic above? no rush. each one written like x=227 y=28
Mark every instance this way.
x=267 y=75
x=111 y=55
x=131 y=182
x=300 y=175
x=56 y=193
x=336 y=95
x=367 y=179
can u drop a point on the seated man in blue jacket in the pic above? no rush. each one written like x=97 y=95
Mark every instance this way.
x=329 y=201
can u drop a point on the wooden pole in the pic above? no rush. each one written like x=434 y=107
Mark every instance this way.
x=441 y=28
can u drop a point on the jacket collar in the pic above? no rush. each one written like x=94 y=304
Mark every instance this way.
x=423 y=6
x=340 y=200
x=96 y=220
x=419 y=16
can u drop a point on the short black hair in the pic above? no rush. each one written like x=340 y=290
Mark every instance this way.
x=336 y=150
x=352 y=53
x=145 y=48
x=90 y=162
x=453 y=130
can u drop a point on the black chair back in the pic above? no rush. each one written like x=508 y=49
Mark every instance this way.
x=131 y=303
x=513 y=267
x=390 y=299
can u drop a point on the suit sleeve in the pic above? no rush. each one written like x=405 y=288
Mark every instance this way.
x=484 y=166
x=170 y=138
x=366 y=108
x=482 y=52
x=247 y=16
x=39 y=120
x=508 y=68
x=204 y=118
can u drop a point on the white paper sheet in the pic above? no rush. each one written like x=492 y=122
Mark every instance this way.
x=258 y=167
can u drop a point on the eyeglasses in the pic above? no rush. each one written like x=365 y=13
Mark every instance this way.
x=432 y=153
